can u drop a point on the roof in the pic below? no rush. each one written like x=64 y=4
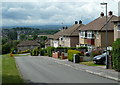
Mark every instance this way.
x=99 y=24
x=56 y=35
x=73 y=30
x=47 y=42
x=28 y=43
x=116 y=20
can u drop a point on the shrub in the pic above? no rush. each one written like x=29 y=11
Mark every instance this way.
x=82 y=47
x=25 y=51
x=43 y=52
x=116 y=55
x=71 y=53
x=35 y=51
x=49 y=51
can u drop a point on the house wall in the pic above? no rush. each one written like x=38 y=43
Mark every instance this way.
x=116 y=31
x=66 y=42
x=100 y=40
x=61 y=41
x=55 y=43
x=74 y=41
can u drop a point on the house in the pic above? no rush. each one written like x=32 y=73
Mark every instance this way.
x=93 y=34
x=116 y=28
x=28 y=44
x=53 y=40
x=70 y=36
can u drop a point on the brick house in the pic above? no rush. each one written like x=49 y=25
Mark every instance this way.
x=93 y=34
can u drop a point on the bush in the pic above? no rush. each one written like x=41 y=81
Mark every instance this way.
x=82 y=47
x=71 y=53
x=116 y=55
x=35 y=51
x=49 y=51
x=25 y=51
x=43 y=52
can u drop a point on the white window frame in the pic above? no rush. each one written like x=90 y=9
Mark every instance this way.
x=89 y=34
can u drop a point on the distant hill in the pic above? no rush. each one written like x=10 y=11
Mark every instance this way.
x=46 y=27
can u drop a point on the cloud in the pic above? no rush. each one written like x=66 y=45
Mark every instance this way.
x=40 y=13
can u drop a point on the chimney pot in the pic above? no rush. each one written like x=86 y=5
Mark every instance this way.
x=63 y=28
x=66 y=27
x=80 y=22
x=102 y=14
x=76 y=22
x=110 y=13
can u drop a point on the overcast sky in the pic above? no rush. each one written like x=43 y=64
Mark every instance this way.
x=53 y=12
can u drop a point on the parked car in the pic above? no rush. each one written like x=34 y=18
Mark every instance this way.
x=100 y=59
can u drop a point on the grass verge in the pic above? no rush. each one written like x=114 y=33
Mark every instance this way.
x=10 y=73
x=90 y=63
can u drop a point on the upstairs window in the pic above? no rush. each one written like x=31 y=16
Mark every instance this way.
x=83 y=34
x=118 y=28
x=90 y=34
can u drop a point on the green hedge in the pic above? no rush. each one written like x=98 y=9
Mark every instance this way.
x=65 y=49
x=35 y=51
x=116 y=55
x=49 y=51
x=25 y=51
x=71 y=53
x=43 y=52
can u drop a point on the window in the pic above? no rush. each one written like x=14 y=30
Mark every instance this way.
x=118 y=28
x=83 y=34
x=90 y=34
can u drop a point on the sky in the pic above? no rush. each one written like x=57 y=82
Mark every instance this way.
x=52 y=12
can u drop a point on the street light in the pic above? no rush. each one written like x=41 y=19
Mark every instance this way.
x=107 y=61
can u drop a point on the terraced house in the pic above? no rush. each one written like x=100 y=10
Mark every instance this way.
x=93 y=34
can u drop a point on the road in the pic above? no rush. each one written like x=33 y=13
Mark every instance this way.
x=40 y=69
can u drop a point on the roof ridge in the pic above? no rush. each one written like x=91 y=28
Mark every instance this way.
x=76 y=29
x=106 y=23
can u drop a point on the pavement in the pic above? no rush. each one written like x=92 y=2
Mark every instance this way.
x=43 y=69
x=97 y=70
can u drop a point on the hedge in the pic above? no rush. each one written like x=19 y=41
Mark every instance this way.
x=43 y=52
x=71 y=53
x=116 y=55
x=49 y=51
x=35 y=51
x=65 y=49
x=25 y=51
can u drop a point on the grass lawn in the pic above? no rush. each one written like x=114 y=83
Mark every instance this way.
x=90 y=63
x=10 y=73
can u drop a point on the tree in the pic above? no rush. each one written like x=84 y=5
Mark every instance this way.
x=23 y=37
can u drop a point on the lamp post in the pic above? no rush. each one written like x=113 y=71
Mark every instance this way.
x=107 y=61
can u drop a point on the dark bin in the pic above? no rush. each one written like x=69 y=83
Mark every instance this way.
x=76 y=58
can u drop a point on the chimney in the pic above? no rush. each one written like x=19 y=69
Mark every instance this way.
x=66 y=27
x=76 y=22
x=63 y=28
x=102 y=14
x=80 y=22
x=110 y=13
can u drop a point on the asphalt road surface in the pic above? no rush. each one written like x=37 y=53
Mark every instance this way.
x=45 y=70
